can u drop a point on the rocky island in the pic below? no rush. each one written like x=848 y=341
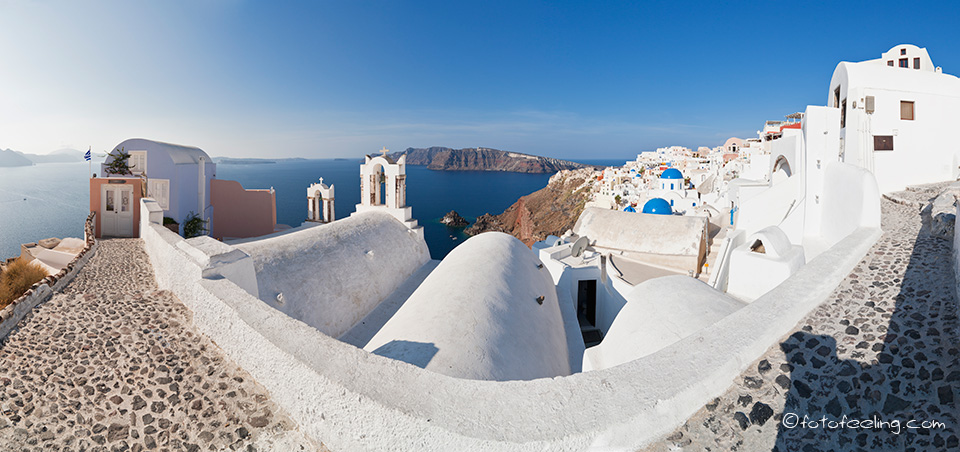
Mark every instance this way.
x=484 y=159
x=551 y=210
x=453 y=219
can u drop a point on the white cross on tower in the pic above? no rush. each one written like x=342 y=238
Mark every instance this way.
x=384 y=151
x=321 y=180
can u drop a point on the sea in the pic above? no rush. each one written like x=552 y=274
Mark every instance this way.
x=52 y=199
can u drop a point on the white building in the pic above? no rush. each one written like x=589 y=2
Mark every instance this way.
x=897 y=116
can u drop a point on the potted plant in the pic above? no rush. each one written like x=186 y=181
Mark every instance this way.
x=120 y=165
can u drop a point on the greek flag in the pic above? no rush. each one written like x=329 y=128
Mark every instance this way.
x=87 y=156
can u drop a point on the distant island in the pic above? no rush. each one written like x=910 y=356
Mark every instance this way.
x=484 y=159
x=11 y=158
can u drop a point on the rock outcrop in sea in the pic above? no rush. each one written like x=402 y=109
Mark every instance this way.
x=453 y=219
x=551 y=210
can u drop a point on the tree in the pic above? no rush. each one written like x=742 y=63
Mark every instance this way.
x=120 y=165
x=617 y=199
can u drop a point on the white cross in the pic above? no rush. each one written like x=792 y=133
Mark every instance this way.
x=384 y=150
x=321 y=180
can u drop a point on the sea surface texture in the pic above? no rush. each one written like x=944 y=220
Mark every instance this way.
x=52 y=200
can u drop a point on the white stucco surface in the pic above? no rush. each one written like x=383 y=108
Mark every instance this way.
x=643 y=233
x=332 y=276
x=477 y=317
x=922 y=147
x=362 y=332
x=354 y=400
x=754 y=273
x=658 y=313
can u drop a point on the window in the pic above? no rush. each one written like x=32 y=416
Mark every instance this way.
x=904 y=62
x=138 y=162
x=159 y=190
x=883 y=142
x=906 y=110
x=890 y=63
x=903 y=51
x=916 y=63
x=843 y=113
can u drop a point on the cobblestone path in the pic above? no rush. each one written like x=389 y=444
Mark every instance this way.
x=883 y=346
x=114 y=364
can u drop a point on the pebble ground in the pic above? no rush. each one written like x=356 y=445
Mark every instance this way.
x=883 y=346
x=113 y=364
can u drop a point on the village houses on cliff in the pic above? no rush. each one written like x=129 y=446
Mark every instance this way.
x=499 y=344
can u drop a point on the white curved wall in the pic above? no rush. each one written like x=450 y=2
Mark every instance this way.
x=477 y=317
x=851 y=200
x=333 y=275
x=658 y=313
x=354 y=400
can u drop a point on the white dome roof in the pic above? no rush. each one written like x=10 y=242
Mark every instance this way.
x=477 y=316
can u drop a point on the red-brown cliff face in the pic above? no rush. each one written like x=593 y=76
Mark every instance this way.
x=551 y=210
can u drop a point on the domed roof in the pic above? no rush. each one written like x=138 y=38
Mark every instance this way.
x=671 y=173
x=658 y=206
x=629 y=209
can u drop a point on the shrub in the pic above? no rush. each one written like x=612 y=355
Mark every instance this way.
x=168 y=220
x=194 y=226
x=120 y=165
x=16 y=279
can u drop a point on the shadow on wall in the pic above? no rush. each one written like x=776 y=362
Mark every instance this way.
x=417 y=353
x=906 y=398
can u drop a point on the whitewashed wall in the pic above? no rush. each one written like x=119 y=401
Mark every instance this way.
x=354 y=400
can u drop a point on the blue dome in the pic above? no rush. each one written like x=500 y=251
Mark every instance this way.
x=671 y=173
x=658 y=206
x=629 y=209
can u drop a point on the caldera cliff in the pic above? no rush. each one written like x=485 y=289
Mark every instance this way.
x=484 y=159
x=551 y=210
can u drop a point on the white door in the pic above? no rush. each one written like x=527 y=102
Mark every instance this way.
x=116 y=206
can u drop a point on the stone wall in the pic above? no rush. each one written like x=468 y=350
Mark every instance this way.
x=11 y=315
x=956 y=249
x=354 y=400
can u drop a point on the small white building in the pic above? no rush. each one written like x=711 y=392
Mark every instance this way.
x=383 y=188
x=320 y=203
x=897 y=115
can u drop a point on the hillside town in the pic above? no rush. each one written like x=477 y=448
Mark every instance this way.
x=702 y=299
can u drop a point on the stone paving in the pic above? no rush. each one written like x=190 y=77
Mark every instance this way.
x=112 y=363
x=883 y=346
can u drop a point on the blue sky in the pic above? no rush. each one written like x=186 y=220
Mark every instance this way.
x=331 y=79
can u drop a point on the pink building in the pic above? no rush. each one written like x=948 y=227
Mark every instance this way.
x=182 y=179
x=239 y=213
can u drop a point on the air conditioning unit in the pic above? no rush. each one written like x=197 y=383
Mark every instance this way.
x=869 y=104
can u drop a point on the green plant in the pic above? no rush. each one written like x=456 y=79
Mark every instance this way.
x=120 y=165
x=168 y=220
x=617 y=199
x=16 y=279
x=194 y=226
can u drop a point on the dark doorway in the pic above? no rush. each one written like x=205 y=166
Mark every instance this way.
x=587 y=302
